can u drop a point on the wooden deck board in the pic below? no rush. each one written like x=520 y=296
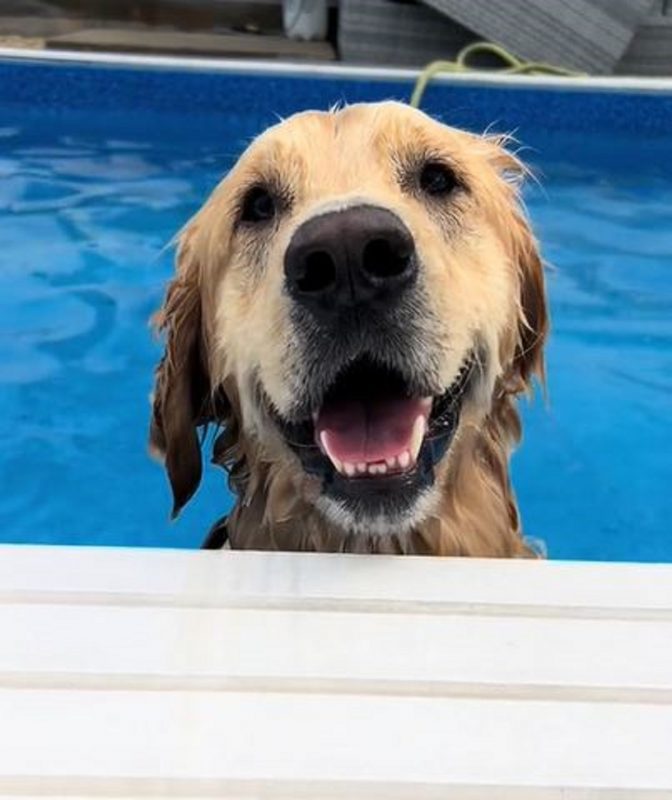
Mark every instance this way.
x=288 y=580
x=234 y=45
x=589 y=35
x=442 y=654
x=337 y=740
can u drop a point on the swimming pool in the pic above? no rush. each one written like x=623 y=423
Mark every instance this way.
x=100 y=165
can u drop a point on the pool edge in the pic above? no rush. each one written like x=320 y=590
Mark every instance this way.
x=636 y=85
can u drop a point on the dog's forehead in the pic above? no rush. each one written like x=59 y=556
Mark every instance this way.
x=354 y=132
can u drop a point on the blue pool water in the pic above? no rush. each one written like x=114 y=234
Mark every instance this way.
x=98 y=168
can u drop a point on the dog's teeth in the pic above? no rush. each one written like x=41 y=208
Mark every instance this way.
x=416 y=438
x=377 y=468
x=404 y=459
x=324 y=441
x=361 y=466
x=391 y=462
x=349 y=469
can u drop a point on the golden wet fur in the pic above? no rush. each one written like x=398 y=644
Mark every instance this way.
x=229 y=333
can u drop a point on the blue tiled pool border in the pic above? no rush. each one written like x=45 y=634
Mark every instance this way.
x=127 y=85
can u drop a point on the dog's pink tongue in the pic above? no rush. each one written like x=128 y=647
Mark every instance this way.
x=361 y=432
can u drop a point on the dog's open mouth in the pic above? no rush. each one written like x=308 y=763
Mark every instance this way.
x=370 y=424
x=373 y=430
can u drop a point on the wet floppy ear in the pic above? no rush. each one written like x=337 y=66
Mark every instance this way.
x=181 y=401
x=533 y=321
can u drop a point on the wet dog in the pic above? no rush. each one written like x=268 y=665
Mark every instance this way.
x=356 y=307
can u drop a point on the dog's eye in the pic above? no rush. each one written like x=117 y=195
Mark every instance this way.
x=258 y=205
x=437 y=180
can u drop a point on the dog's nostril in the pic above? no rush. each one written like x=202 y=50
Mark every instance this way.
x=318 y=273
x=385 y=259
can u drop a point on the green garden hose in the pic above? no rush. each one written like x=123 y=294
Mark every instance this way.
x=511 y=65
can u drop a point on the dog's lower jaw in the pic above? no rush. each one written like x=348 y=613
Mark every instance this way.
x=382 y=525
x=470 y=510
x=442 y=535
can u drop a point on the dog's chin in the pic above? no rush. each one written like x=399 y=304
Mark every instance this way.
x=374 y=443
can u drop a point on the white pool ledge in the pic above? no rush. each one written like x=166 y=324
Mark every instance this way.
x=275 y=67
x=145 y=673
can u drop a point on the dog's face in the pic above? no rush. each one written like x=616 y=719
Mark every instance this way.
x=355 y=294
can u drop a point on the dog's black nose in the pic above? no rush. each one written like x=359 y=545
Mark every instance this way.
x=363 y=256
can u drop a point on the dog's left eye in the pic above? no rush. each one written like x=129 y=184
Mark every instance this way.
x=437 y=179
x=258 y=205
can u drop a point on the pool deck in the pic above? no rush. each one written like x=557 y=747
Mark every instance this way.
x=155 y=673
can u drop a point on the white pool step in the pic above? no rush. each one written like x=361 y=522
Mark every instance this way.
x=136 y=673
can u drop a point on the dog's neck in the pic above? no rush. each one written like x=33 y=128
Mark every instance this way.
x=475 y=513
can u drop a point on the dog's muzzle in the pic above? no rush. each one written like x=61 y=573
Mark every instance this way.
x=369 y=421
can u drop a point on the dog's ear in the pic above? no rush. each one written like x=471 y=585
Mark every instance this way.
x=181 y=401
x=533 y=320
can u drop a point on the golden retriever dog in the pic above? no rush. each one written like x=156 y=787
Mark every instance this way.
x=356 y=308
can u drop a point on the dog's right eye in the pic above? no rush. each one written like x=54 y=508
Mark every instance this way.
x=437 y=180
x=258 y=205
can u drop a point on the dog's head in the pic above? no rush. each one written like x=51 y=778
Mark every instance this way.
x=359 y=290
